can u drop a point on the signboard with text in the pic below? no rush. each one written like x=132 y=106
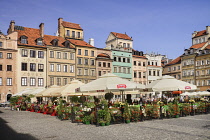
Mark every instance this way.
x=121 y=86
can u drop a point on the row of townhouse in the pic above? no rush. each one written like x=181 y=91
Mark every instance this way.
x=193 y=66
x=31 y=59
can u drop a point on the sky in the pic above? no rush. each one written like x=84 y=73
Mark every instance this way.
x=158 y=26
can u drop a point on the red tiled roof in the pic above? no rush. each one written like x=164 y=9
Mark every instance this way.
x=139 y=56
x=200 y=33
x=175 y=61
x=80 y=43
x=31 y=33
x=103 y=55
x=71 y=25
x=122 y=36
x=196 y=46
x=207 y=47
x=48 y=40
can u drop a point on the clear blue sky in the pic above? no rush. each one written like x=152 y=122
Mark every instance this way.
x=161 y=26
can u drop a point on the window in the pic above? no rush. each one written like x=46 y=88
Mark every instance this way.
x=86 y=72
x=40 y=54
x=24 y=53
x=32 y=67
x=40 y=82
x=79 y=72
x=134 y=63
x=1 y=44
x=79 y=52
x=51 y=67
x=86 y=61
x=40 y=67
x=128 y=60
x=108 y=64
x=150 y=73
x=99 y=73
x=128 y=45
x=179 y=76
x=9 y=67
x=178 y=67
x=72 y=69
x=78 y=34
x=0 y=67
x=124 y=60
x=9 y=55
x=67 y=33
x=9 y=81
x=79 y=61
x=134 y=74
x=51 y=81
x=158 y=73
x=139 y=63
x=73 y=34
x=148 y=62
x=115 y=58
x=154 y=73
x=71 y=56
x=51 y=54
x=92 y=72
x=129 y=70
x=65 y=82
x=65 y=68
x=32 y=53
x=1 y=81
x=104 y=72
x=23 y=81
x=55 y=42
x=86 y=52
x=144 y=64
x=1 y=55
x=119 y=59
x=124 y=70
x=169 y=69
x=32 y=82
x=104 y=64
x=24 y=66
x=119 y=69
x=144 y=74
x=58 y=67
x=139 y=74
x=92 y=62
x=99 y=64
x=124 y=45
x=39 y=42
x=23 y=40
x=58 y=55
x=115 y=69
x=58 y=81
x=64 y=55
x=92 y=53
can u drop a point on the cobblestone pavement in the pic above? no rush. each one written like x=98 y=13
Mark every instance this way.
x=20 y=125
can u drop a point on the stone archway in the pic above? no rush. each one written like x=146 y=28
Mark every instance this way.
x=9 y=96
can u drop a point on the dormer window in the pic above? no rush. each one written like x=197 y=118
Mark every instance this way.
x=55 y=42
x=73 y=34
x=39 y=42
x=78 y=34
x=23 y=39
x=67 y=44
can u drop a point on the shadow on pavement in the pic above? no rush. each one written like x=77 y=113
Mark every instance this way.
x=7 y=133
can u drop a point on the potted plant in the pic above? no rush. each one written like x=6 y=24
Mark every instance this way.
x=86 y=119
x=126 y=113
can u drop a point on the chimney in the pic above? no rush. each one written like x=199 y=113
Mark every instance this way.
x=91 y=41
x=60 y=20
x=41 y=29
x=11 y=27
x=208 y=29
x=193 y=34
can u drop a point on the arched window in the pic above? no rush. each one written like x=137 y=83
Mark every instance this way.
x=24 y=39
x=67 y=44
x=55 y=42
